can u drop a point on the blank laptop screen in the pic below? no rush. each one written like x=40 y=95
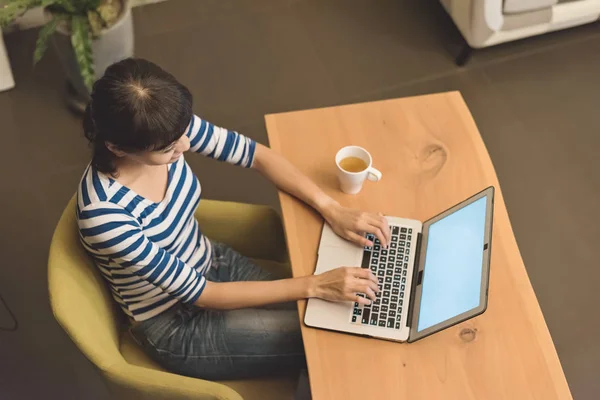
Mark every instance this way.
x=453 y=265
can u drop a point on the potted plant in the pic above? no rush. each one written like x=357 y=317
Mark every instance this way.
x=88 y=35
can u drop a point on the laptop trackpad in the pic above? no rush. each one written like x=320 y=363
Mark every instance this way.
x=333 y=257
x=330 y=239
x=336 y=252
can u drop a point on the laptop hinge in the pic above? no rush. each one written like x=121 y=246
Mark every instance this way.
x=413 y=286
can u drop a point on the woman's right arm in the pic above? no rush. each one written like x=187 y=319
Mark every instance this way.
x=340 y=284
x=108 y=230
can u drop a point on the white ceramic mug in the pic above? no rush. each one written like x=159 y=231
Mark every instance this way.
x=351 y=182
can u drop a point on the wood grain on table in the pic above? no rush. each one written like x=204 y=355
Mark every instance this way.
x=432 y=157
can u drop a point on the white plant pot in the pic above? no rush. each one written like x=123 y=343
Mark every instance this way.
x=113 y=44
x=6 y=77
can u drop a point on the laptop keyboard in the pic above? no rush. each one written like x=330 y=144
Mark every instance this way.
x=390 y=266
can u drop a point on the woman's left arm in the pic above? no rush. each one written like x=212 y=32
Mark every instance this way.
x=231 y=147
x=348 y=223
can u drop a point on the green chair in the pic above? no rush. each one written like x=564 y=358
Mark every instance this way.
x=83 y=306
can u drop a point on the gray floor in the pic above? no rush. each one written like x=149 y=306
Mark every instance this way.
x=536 y=103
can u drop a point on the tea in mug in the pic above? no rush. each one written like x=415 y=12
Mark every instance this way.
x=353 y=164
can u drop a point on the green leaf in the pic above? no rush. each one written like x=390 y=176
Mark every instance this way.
x=83 y=6
x=42 y=41
x=96 y=23
x=65 y=6
x=93 y=4
x=81 y=39
x=14 y=9
x=110 y=12
x=47 y=3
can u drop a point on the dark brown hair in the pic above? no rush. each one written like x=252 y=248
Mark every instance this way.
x=136 y=106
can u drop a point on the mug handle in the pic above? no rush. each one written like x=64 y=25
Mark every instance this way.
x=373 y=174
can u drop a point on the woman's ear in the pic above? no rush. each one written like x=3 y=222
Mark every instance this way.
x=114 y=149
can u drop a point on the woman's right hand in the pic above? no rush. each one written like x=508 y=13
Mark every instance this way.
x=344 y=283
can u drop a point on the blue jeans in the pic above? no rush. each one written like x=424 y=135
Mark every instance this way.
x=221 y=345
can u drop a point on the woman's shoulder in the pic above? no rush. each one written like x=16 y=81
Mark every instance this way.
x=96 y=191
x=95 y=216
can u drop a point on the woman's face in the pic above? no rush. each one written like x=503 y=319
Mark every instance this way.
x=168 y=155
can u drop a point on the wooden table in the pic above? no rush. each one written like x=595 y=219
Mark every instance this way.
x=432 y=157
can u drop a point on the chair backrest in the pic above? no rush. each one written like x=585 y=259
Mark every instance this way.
x=79 y=297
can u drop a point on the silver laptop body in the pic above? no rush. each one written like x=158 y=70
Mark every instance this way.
x=398 y=268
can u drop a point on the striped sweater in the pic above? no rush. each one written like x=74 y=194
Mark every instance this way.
x=153 y=255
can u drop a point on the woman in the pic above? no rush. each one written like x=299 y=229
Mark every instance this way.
x=197 y=307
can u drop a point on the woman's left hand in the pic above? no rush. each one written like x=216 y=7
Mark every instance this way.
x=352 y=224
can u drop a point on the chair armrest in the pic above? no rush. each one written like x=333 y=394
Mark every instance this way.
x=253 y=230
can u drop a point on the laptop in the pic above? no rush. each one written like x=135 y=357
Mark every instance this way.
x=433 y=275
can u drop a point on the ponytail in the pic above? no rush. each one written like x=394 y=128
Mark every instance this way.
x=89 y=127
x=102 y=158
